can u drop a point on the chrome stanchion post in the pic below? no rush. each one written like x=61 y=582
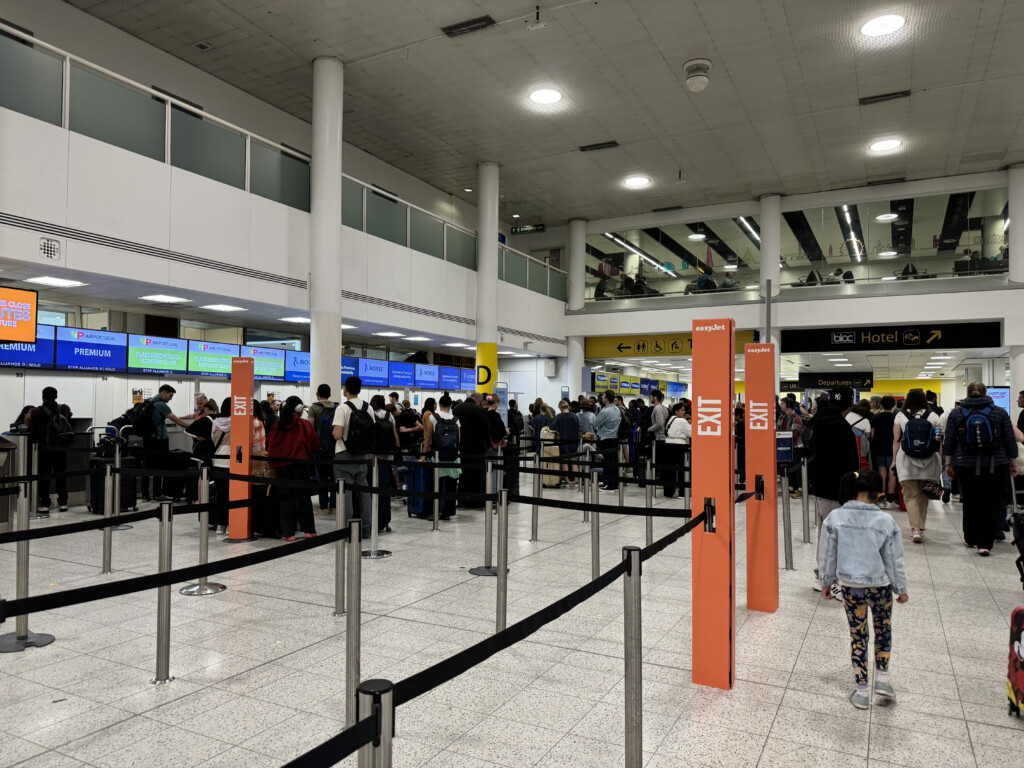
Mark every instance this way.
x=21 y=638
x=595 y=490
x=34 y=499
x=487 y=569
x=805 y=500
x=163 y=600
x=108 y=512
x=687 y=463
x=502 y=610
x=204 y=587
x=537 y=492
x=488 y=489
x=119 y=480
x=377 y=699
x=373 y=553
x=340 y=547
x=648 y=498
x=595 y=544
x=353 y=619
x=654 y=459
x=633 y=652
x=437 y=489
x=787 y=521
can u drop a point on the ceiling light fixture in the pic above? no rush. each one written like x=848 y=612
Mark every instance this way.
x=390 y=334
x=1006 y=225
x=223 y=308
x=304 y=320
x=844 y=365
x=885 y=145
x=887 y=217
x=698 y=75
x=697 y=236
x=883 y=25
x=522 y=355
x=750 y=229
x=160 y=298
x=730 y=267
x=421 y=338
x=546 y=96
x=515 y=215
x=55 y=282
x=456 y=344
x=467 y=189
x=887 y=254
x=347 y=327
x=636 y=182
x=941 y=357
x=890 y=277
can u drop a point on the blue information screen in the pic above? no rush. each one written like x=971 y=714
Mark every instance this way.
x=374 y=373
x=601 y=381
x=79 y=349
x=449 y=379
x=296 y=366
x=19 y=354
x=468 y=379
x=1000 y=396
x=401 y=375
x=635 y=386
x=427 y=376
x=645 y=386
x=349 y=367
x=613 y=382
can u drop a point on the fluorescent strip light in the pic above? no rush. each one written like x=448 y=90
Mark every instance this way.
x=160 y=298
x=523 y=355
x=891 y=277
x=506 y=353
x=390 y=334
x=56 y=282
x=941 y=357
x=750 y=229
x=730 y=267
x=421 y=338
x=456 y=344
x=844 y=365
x=347 y=327
x=305 y=320
x=223 y=308
x=838 y=359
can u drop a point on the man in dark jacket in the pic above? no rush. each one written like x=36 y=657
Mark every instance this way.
x=834 y=453
x=473 y=443
x=49 y=461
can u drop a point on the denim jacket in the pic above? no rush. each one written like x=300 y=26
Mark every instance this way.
x=864 y=548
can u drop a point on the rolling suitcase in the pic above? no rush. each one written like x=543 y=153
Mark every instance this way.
x=510 y=466
x=129 y=492
x=420 y=478
x=180 y=487
x=549 y=450
x=1015 y=669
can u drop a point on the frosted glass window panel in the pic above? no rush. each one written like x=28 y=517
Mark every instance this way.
x=113 y=113
x=501 y=263
x=426 y=234
x=203 y=147
x=352 y=205
x=385 y=218
x=515 y=269
x=31 y=81
x=461 y=248
x=538 y=277
x=557 y=288
x=278 y=176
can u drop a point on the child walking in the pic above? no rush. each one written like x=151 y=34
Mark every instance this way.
x=864 y=554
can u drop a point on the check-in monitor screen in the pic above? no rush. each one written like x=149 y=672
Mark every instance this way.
x=427 y=376
x=79 y=349
x=468 y=379
x=296 y=366
x=374 y=373
x=156 y=354
x=18 y=313
x=401 y=375
x=268 y=363
x=349 y=367
x=23 y=354
x=210 y=358
x=449 y=379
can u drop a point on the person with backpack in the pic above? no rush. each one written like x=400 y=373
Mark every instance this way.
x=353 y=442
x=568 y=428
x=860 y=420
x=882 y=424
x=50 y=431
x=293 y=437
x=473 y=444
x=979 y=449
x=385 y=445
x=321 y=414
x=608 y=426
x=151 y=427
x=443 y=439
x=916 y=446
x=516 y=425
x=678 y=433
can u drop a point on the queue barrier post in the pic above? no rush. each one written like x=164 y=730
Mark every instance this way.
x=340 y=547
x=108 y=512
x=787 y=521
x=649 y=502
x=21 y=638
x=687 y=479
x=437 y=489
x=654 y=460
x=33 y=501
x=535 y=511
x=118 y=455
x=203 y=586
x=373 y=553
x=377 y=699
x=163 y=600
x=501 y=614
x=487 y=569
x=595 y=544
x=633 y=655
x=353 y=617
x=805 y=500
x=595 y=492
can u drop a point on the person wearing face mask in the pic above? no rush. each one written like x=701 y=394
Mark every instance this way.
x=293 y=437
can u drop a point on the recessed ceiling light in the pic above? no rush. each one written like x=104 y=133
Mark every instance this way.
x=546 y=96
x=730 y=267
x=503 y=352
x=844 y=365
x=698 y=236
x=304 y=320
x=885 y=145
x=935 y=365
x=838 y=359
x=941 y=357
x=390 y=334
x=223 y=308
x=417 y=338
x=55 y=282
x=890 y=277
x=523 y=355
x=883 y=25
x=162 y=299
x=456 y=344
x=467 y=189
x=636 y=182
x=887 y=254
x=515 y=215
x=347 y=327
x=887 y=217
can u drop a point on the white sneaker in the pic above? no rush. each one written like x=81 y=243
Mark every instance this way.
x=817 y=583
x=883 y=504
x=916 y=536
x=837 y=592
x=222 y=529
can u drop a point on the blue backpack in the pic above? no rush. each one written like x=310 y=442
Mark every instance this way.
x=977 y=436
x=919 y=440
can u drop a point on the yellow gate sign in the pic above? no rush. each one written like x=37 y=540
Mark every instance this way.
x=651 y=344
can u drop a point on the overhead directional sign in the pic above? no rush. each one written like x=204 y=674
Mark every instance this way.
x=526 y=229
x=651 y=344
x=979 y=335
x=830 y=380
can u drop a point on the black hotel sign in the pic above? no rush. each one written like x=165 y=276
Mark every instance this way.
x=924 y=336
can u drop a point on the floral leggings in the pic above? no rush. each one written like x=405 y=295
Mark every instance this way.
x=856 y=602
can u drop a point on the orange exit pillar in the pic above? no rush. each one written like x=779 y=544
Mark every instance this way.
x=240 y=519
x=763 y=508
x=714 y=554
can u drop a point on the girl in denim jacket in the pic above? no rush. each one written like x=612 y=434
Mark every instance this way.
x=864 y=554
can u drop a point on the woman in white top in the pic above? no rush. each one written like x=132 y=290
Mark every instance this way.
x=677 y=434
x=914 y=471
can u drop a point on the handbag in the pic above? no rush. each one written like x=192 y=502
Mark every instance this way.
x=260 y=467
x=932 y=489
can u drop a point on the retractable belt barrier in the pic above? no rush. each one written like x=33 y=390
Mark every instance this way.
x=47 y=476
x=337 y=748
x=609 y=508
x=86 y=525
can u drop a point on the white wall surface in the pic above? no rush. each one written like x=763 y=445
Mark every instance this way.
x=526 y=377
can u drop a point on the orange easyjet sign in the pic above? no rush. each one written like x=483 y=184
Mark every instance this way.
x=18 y=315
x=762 y=514
x=240 y=518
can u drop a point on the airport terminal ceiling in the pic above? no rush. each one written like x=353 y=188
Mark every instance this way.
x=796 y=93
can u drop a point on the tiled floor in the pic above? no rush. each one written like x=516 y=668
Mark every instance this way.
x=260 y=667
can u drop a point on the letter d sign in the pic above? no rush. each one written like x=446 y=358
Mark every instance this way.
x=486 y=365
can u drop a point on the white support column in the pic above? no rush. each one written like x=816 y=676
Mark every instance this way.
x=574 y=374
x=771 y=241
x=325 y=226
x=487 y=274
x=1016 y=216
x=577 y=266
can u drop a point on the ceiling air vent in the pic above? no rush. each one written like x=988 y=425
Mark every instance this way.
x=600 y=145
x=203 y=46
x=465 y=27
x=879 y=98
x=667 y=208
x=49 y=248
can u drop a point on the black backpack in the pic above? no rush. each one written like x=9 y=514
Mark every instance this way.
x=144 y=425
x=360 y=430
x=59 y=432
x=515 y=419
x=325 y=426
x=625 y=425
x=383 y=434
x=446 y=439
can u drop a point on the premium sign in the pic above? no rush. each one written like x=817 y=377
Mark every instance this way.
x=979 y=335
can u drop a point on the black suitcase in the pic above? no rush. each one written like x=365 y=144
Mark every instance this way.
x=510 y=465
x=129 y=485
x=180 y=487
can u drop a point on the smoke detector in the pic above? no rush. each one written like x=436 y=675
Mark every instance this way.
x=697 y=77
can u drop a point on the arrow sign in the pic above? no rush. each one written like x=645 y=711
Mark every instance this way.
x=936 y=335
x=624 y=347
